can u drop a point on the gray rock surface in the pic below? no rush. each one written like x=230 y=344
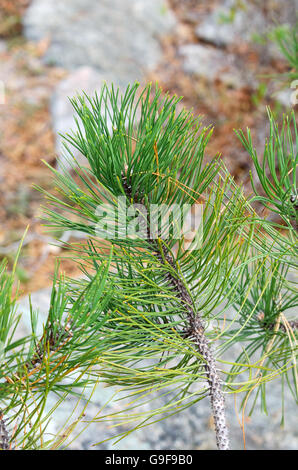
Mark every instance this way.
x=109 y=40
x=116 y=37
x=191 y=429
x=284 y=97
x=221 y=28
x=231 y=23
x=211 y=64
x=3 y=46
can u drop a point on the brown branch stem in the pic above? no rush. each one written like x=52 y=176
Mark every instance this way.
x=195 y=332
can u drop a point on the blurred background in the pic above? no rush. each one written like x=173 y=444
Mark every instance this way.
x=229 y=59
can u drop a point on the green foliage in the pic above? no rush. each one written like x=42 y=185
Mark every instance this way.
x=142 y=148
x=264 y=325
x=128 y=322
x=287 y=40
x=230 y=17
x=57 y=362
x=259 y=94
x=277 y=171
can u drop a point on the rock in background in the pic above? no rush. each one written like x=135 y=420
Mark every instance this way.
x=231 y=36
x=234 y=22
x=213 y=64
x=109 y=40
x=113 y=36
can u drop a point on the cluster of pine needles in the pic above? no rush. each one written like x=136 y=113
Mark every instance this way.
x=157 y=316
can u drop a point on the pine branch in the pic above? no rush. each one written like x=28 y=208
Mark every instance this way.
x=162 y=300
x=32 y=368
x=51 y=341
x=5 y=438
x=195 y=332
x=277 y=169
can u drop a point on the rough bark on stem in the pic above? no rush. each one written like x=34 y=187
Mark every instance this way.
x=196 y=332
x=215 y=389
x=292 y=324
x=4 y=436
